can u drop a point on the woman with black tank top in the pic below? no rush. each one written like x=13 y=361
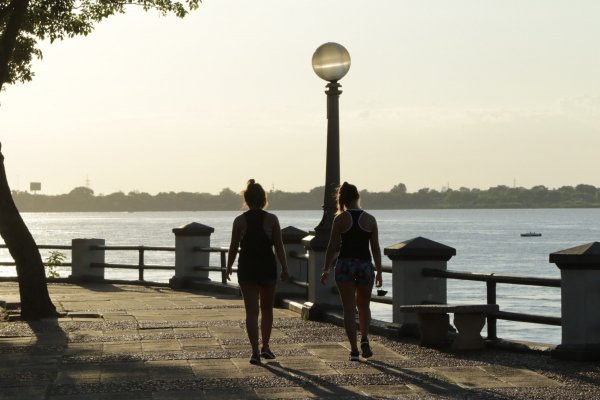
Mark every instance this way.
x=256 y=232
x=354 y=231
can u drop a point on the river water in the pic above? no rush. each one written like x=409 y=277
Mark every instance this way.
x=485 y=241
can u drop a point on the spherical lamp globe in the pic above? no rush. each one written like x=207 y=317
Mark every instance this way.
x=331 y=61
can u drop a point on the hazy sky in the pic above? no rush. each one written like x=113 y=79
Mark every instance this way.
x=466 y=92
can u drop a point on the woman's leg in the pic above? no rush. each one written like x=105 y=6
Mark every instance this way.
x=347 y=294
x=363 y=302
x=250 y=294
x=267 y=300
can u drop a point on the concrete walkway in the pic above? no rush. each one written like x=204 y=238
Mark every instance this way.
x=136 y=342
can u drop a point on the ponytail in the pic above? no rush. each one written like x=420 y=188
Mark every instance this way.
x=254 y=195
x=346 y=194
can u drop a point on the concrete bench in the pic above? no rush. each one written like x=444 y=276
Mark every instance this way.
x=469 y=319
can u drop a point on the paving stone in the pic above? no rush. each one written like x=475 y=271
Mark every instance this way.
x=329 y=351
x=122 y=348
x=130 y=371
x=215 y=368
x=84 y=349
x=169 y=369
x=149 y=346
x=519 y=377
x=303 y=366
x=228 y=332
x=470 y=377
x=229 y=394
x=380 y=352
x=386 y=391
x=200 y=344
x=294 y=393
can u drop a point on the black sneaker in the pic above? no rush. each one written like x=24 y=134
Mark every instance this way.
x=366 y=348
x=267 y=354
x=354 y=356
x=255 y=359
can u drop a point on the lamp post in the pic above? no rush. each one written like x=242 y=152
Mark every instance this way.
x=331 y=62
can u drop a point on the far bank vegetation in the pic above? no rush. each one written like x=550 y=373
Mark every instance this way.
x=83 y=199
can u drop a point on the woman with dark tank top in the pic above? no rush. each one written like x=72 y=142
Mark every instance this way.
x=355 y=243
x=256 y=232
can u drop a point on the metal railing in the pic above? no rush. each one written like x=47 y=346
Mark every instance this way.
x=141 y=266
x=491 y=281
x=40 y=247
x=223 y=268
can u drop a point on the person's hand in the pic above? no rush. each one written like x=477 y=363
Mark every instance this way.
x=285 y=276
x=324 y=277
x=229 y=272
x=378 y=279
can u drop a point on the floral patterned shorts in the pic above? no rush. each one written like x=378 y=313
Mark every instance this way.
x=355 y=270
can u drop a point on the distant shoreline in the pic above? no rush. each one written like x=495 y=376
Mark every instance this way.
x=300 y=209
x=83 y=199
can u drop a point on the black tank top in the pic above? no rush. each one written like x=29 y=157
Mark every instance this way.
x=257 y=261
x=355 y=241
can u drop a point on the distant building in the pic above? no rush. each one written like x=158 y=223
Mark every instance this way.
x=35 y=186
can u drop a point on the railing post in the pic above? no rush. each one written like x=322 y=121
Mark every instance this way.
x=187 y=238
x=83 y=256
x=409 y=286
x=223 y=267
x=580 y=301
x=491 y=299
x=141 y=264
x=298 y=269
x=319 y=295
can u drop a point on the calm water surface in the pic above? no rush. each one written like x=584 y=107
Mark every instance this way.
x=485 y=241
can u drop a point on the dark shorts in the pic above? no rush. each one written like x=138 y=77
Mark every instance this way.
x=355 y=270
x=258 y=282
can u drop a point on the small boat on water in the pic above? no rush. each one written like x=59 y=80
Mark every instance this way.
x=531 y=234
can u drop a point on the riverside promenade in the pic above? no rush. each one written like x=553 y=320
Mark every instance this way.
x=146 y=342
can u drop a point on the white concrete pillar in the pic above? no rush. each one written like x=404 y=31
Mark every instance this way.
x=83 y=255
x=298 y=269
x=188 y=239
x=318 y=294
x=580 y=302
x=409 y=286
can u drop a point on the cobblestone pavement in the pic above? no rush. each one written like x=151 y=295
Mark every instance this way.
x=137 y=342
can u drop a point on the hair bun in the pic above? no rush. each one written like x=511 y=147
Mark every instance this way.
x=250 y=182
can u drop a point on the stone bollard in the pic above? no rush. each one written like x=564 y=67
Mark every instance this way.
x=187 y=239
x=580 y=301
x=409 y=286
x=318 y=294
x=298 y=269
x=83 y=256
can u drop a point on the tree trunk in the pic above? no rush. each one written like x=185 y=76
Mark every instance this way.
x=35 y=299
x=15 y=11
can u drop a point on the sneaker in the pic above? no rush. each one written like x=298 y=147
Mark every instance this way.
x=354 y=356
x=255 y=359
x=267 y=354
x=366 y=348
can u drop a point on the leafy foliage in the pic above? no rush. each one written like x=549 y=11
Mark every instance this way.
x=54 y=259
x=59 y=19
